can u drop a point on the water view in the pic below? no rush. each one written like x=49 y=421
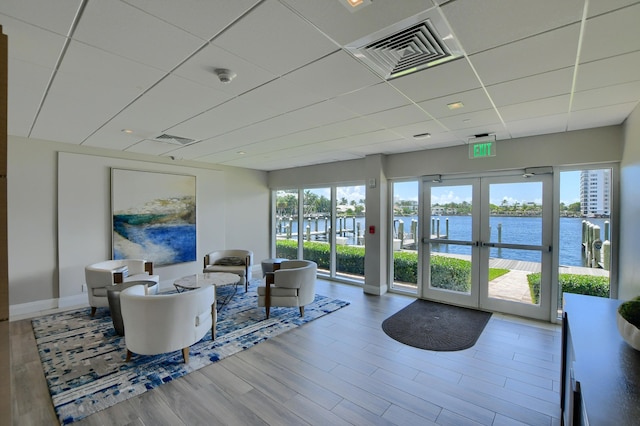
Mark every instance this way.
x=507 y=229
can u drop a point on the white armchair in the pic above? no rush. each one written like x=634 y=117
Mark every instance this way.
x=156 y=324
x=237 y=262
x=294 y=284
x=100 y=276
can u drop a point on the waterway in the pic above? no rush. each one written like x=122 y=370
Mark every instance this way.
x=507 y=229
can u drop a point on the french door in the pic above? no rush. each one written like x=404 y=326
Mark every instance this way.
x=487 y=243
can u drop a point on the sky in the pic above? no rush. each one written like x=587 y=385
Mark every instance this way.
x=522 y=193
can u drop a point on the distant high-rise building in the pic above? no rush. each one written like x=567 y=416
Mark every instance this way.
x=595 y=192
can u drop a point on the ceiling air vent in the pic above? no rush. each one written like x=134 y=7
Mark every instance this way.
x=407 y=47
x=176 y=140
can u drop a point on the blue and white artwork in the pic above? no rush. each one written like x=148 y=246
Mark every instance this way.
x=154 y=216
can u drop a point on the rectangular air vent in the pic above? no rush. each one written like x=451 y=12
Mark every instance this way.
x=176 y=140
x=407 y=47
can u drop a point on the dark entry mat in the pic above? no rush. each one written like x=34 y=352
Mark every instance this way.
x=436 y=326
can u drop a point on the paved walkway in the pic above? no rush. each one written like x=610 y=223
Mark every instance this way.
x=513 y=285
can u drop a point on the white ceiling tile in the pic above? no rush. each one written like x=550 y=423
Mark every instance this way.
x=98 y=81
x=441 y=80
x=487 y=117
x=56 y=16
x=538 y=108
x=539 y=86
x=534 y=55
x=601 y=116
x=298 y=98
x=200 y=68
x=600 y=73
x=111 y=136
x=322 y=113
x=598 y=7
x=334 y=75
x=115 y=27
x=28 y=82
x=401 y=116
x=151 y=147
x=408 y=131
x=173 y=101
x=611 y=34
x=202 y=18
x=538 y=126
x=473 y=100
x=229 y=116
x=372 y=99
x=275 y=38
x=345 y=26
x=619 y=94
x=192 y=151
x=32 y=44
x=482 y=25
x=281 y=96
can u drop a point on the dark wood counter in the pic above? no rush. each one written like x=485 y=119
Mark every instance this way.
x=605 y=366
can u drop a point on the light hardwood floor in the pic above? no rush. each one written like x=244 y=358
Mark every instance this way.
x=341 y=369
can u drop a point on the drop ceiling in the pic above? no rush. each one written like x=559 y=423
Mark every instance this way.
x=119 y=74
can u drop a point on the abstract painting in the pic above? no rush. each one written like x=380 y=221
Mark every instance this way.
x=154 y=216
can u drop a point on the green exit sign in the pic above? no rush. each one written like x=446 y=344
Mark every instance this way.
x=482 y=149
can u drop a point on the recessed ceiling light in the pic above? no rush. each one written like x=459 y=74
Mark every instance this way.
x=127 y=131
x=455 y=105
x=422 y=136
x=241 y=152
x=354 y=5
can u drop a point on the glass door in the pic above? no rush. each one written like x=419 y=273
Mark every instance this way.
x=488 y=243
x=515 y=247
x=452 y=224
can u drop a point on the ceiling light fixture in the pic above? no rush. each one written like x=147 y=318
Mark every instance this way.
x=127 y=131
x=354 y=5
x=422 y=136
x=455 y=105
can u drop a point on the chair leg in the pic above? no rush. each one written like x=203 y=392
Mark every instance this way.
x=185 y=354
x=301 y=311
x=93 y=311
x=268 y=309
x=214 y=315
x=129 y=353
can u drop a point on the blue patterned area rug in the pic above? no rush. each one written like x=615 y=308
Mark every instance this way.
x=83 y=358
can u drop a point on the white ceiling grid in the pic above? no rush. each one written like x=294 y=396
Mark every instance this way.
x=82 y=71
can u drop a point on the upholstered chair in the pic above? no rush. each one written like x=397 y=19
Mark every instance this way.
x=294 y=284
x=161 y=323
x=234 y=261
x=100 y=276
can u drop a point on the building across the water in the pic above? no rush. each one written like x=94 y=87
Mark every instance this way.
x=595 y=193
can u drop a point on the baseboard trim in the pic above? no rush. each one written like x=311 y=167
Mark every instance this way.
x=44 y=307
x=375 y=289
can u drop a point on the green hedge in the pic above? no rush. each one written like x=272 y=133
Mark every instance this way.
x=349 y=259
x=446 y=272
x=572 y=283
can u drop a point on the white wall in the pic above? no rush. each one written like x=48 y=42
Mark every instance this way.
x=599 y=145
x=629 y=258
x=39 y=200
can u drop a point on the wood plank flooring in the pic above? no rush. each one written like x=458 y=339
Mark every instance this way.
x=341 y=369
